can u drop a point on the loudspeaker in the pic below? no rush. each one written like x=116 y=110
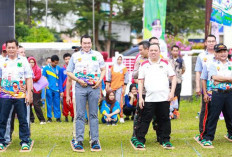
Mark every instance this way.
x=7 y=21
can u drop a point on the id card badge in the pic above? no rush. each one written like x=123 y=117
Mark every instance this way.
x=56 y=84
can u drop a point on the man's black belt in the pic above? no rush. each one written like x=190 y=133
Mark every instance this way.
x=222 y=91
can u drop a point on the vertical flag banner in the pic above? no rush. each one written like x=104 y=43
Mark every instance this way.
x=154 y=17
x=222 y=12
x=154 y=22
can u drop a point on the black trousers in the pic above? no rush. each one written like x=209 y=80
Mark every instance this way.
x=177 y=93
x=37 y=107
x=161 y=111
x=220 y=102
x=128 y=111
x=203 y=121
x=137 y=117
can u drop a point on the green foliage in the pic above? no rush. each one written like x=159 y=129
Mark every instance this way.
x=185 y=16
x=34 y=34
x=21 y=32
x=40 y=34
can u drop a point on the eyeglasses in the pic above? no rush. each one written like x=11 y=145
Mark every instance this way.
x=32 y=62
x=211 y=41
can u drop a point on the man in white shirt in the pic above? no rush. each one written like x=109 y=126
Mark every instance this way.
x=154 y=75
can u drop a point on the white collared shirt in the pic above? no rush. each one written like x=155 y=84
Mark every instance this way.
x=156 y=79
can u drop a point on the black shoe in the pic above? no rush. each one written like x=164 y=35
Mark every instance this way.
x=58 y=120
x=132 y=117
x=49 y=120
x=66 y=119
x=127 y=118
x=72 y=119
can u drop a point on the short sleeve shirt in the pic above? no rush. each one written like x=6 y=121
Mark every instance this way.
x=203 y=59
x=219 y=69
x=86 y=66
x=156 y=79
x=13 y=74
x=178 y=65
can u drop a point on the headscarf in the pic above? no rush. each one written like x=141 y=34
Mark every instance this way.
x=117 y=67
x=105 y=55
x=111 y=102
x=35 y=68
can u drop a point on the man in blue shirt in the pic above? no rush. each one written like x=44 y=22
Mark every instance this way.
x=51 y=72
x=203 y=59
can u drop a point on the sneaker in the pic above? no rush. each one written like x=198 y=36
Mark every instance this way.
x=49 y=120
x=95 y=145
x=229 y=136
x=25 y=146
x=2 y=146
x=207 y=143
x=122 y=120
x=42 y=123
x=136 y=143
x=167 y=145
x=127 y=118
x=78 y=145
x=58 y=120
x=66 y=119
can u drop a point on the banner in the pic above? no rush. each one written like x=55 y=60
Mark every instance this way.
x=154 y=17
x=222 y=12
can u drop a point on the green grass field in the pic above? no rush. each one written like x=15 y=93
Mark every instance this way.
x=54 y=139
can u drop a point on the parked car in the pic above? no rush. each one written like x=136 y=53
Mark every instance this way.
x=132 y=51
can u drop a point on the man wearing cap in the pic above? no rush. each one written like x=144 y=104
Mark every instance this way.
x=3 y=53
x=220 y=75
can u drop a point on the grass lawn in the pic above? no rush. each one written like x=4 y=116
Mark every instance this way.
x=54 y=139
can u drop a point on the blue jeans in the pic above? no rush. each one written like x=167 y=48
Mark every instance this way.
x=21 y=110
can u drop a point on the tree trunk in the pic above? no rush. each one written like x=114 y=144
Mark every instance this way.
x=98 y=46
x=29 y=13
x=108 y=42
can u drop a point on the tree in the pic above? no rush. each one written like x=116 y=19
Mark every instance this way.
x=185 y=16
x=40 y=34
